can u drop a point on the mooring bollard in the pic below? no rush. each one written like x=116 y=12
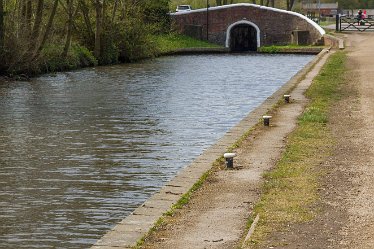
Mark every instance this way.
x=287 y=98
x=266 y=120
x=229 y=159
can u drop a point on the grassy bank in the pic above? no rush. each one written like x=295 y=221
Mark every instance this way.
x=290 y=189
x=171 y=42
x=79 y=56
x=290 y=49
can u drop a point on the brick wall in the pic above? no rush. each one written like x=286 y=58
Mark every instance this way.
x=276 y=26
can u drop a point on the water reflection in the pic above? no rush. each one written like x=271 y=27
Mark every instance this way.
x=80 y=150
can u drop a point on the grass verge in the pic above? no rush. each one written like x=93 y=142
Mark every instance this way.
x=290 y=189
x=172 y=42
x=289 y=48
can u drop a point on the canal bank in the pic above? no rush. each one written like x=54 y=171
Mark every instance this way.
x=263 y=50
x=343 y=215
x=130 y=230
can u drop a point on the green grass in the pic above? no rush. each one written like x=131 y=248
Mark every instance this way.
x=327 y=21
x=277 y=49
x=290 y=189
x=171 y=42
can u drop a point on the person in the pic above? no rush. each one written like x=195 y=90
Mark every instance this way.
x=359 y=15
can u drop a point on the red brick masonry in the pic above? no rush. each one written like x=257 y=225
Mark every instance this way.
x=274 y=26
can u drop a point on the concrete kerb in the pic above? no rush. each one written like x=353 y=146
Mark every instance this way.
x=128 y=232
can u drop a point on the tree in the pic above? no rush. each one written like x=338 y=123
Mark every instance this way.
x=70 y=12
x=155 y=13
x=88 y=33
x=26 y=8
x=37 y=35
x=49 y=26
x=99 y=27
x=2 y=26
x=349 y=4
x=37 y=25
x=290 y=4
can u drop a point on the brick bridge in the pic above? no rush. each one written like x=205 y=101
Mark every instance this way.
x=245 y=27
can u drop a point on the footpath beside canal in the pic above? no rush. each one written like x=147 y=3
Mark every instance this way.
x=345 y=213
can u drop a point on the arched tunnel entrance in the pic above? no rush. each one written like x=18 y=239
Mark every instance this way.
x=243 y=37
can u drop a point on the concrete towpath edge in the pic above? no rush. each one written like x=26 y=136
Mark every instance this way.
x=134 y=227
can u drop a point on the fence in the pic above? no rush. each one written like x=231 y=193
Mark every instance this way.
x=344 y=23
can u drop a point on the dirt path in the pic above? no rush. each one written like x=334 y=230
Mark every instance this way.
x=217 y=214
x=359 y=231
x=346 y=210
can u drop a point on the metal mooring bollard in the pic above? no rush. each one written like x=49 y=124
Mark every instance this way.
x=266 y=120
x=229 y=159
x=287 y=98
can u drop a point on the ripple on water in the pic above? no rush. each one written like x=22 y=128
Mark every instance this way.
x=80 y=150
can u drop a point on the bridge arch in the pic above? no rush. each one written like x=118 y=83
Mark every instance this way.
x=243 y=23
x=272 y=26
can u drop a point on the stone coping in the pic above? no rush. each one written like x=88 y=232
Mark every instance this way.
x=132 y=228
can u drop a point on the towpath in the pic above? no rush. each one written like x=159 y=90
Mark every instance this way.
x=345 y=218
x=217 y=214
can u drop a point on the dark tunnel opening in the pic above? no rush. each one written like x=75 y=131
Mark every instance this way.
x=243 y=37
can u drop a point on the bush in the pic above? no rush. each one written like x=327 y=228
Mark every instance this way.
x=156 y=13
x=52 y=61
x=109 y=46
x=135 y=41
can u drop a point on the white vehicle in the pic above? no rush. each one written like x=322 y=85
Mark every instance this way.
x=181 y=8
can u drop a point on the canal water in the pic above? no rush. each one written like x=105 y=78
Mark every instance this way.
x=80 y=150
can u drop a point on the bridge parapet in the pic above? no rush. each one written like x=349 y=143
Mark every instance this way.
x=248 y=26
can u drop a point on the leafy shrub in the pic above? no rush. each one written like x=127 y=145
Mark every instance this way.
x=135 y=41
x=86 y=58
x=77 y=57
x=109 y=52
x=156 y=13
